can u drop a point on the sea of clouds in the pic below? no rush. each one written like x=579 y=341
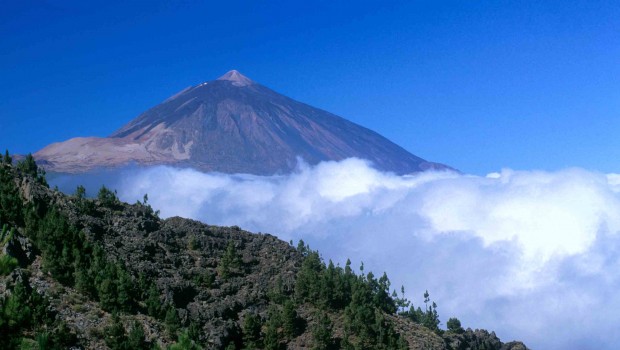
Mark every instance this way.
x=533 y=255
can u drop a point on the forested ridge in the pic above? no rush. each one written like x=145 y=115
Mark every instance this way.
x=98 y=273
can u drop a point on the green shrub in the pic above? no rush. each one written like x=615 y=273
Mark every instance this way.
x=7 y=264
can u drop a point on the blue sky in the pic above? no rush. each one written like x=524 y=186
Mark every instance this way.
x=477 y=85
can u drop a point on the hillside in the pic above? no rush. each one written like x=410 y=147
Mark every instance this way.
x=99 y=273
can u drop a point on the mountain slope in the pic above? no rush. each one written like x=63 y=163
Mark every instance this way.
x=231 y=125
x=99 y=274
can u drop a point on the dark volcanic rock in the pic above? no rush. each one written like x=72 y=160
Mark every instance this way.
x=479 y=339
x=231 y=125
x=21 y=249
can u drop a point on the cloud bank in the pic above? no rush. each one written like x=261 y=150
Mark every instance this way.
x=533 y=255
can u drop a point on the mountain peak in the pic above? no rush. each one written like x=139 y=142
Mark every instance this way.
x=236 y=78
x=232 y=125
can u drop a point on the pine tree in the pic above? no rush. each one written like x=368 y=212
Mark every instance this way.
x=402 y=303
x=430 y=318
x=382 y=297
x=229 y=262
x=252 y=331
x=289 y=320
x=80 y=192
x=107 y=198
x=7 y=264
x=322 y=332
x=11 y=206
x=184 y=342
x=454 y=325
x=115 y=336
x=306 y=287
x=172 y=321
x=153 y=303
x=193 y=331
x=106 y=284
x=28 y=166
x=16 y=310
x=360 y=313
x=7 y=158
x=272 y=336
x=124 y=288
x=135 y=339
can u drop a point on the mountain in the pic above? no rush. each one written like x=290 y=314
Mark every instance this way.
x=231 y=125
x=84 y=273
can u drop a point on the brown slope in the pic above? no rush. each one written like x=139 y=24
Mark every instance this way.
x=232 y=125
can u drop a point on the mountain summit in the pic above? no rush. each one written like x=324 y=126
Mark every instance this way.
x=231 y=125
x=237 y=78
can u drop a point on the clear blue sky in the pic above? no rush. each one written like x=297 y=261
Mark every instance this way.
x=478 y=85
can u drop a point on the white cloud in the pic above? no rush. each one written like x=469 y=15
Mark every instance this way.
x=533 y=255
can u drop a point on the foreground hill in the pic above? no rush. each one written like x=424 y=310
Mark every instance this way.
x=99 y=273
x=231 y=125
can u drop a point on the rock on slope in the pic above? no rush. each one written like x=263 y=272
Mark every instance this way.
x=231 y=125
